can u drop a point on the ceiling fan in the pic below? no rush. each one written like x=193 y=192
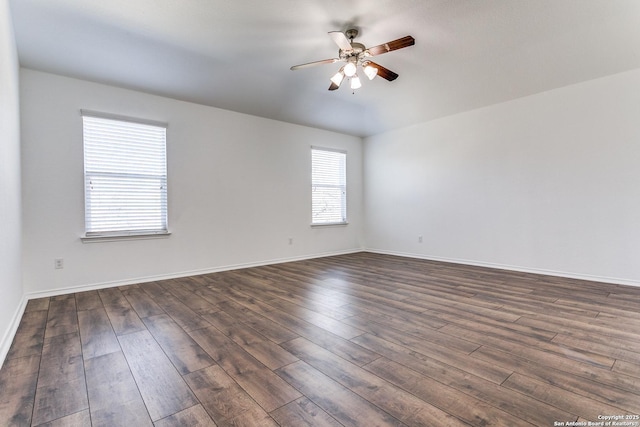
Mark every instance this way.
x=357 y=55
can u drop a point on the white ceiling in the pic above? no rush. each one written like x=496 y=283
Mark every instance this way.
x=236 y=54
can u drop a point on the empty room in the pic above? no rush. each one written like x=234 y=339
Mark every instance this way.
x=320 y=213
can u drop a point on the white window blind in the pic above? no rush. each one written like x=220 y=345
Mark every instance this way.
x=125 y=172
x=328 y=186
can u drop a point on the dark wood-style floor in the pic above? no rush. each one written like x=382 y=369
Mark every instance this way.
x=354 y=340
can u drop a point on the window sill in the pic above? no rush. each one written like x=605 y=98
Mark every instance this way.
x=121 y=237
x=330 y=224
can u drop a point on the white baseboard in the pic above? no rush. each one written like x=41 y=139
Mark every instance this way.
x=568 y=275
x=7 y=339
x=111 y=284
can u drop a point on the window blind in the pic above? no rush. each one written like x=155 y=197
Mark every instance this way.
x=125 y=171
x=328 y=186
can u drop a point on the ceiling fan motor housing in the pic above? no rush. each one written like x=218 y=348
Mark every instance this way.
x=357 y=50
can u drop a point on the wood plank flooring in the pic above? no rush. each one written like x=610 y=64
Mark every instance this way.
x=353 y=340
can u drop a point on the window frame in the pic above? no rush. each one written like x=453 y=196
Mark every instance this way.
x=342 y=185
x=122 y=233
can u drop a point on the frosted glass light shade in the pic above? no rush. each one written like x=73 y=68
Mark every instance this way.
x=338 y=77
x=350 y=69
x=355 y=82
x=370 y=71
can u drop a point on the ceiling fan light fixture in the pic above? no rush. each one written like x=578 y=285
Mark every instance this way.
x=370 y=71
x=355 y=55
x=355 y=82
x=350 y=69
x=338 y=77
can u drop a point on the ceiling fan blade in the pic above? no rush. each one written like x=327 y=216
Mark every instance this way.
x=383 y=72
x=341 y=40
x=314 y=63
x=333 y=86
x=393 y=45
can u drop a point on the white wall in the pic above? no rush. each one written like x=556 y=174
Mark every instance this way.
x=547 y=183
x=10 y=239
x=239 y=187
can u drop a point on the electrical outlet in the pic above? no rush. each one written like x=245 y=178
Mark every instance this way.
x=419 y=239
x=58 y=263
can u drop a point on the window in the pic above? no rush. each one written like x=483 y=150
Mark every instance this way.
x=328 y=186
x=125 y=176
